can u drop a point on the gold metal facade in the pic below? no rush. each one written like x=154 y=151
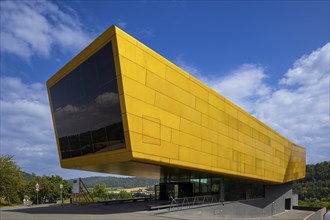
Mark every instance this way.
x=172 y=119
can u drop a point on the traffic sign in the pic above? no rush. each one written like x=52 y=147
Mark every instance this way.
x=37 y=187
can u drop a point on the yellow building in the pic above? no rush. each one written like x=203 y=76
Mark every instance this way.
x=119 y=107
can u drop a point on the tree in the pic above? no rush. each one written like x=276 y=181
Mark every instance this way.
x=49 y=186
x=316 y=185
x=13 y=186
x=124 y=194
x=100 y=191
x=11 y=180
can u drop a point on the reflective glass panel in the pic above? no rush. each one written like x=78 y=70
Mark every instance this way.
x=86 y=107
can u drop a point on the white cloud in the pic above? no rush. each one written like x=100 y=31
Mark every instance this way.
x=14 y=89
x=34 y=27
x=26 y=126
x=300 y=109
x=309 y=69
x=109 y=98
x=68 y=109
x=191 y=69
x=244 y=86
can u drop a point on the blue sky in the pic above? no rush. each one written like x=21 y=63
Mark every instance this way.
x=269 y=57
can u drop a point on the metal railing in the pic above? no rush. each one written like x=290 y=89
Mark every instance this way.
x=191 y=202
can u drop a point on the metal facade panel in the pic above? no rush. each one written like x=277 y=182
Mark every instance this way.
x=242 y=145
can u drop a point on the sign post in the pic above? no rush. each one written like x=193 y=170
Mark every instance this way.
x=61 y=187
x=37 y=190
x=76 y=189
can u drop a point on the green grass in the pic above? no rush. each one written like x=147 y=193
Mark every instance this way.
x=4 y=203
x=315 y=204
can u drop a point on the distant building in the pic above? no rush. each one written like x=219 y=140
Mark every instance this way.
x=119 y=107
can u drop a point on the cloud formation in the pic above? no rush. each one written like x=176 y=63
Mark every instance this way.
x=244 y=85
x=31 y=28
x=297 y=107
x=300 y=107
x=26 y=128
x=107 y=98
x=179 y=61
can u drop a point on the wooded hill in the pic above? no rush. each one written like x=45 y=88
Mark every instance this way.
x=316 y=185
x=120 y=182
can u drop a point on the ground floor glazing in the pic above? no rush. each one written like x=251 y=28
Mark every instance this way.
x=180 y=183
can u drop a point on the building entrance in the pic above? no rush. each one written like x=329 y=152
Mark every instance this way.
x=176 y=190
x=287 y=204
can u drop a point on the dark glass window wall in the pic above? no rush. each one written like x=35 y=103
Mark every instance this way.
x=86 y=107
x=227 y=189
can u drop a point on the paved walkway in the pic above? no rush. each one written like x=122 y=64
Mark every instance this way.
x=116 y=211
x=287 y=215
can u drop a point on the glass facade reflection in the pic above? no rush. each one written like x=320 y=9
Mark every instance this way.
x=200 y=184
x=86 y=107
x=242 y=190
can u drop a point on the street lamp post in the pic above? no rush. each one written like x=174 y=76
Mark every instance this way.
x=37 y=190
x=61 y=187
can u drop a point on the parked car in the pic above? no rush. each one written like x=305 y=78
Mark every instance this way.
x=47 y=200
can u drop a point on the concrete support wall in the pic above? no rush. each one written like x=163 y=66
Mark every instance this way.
x=295 y=199
x=273 y=203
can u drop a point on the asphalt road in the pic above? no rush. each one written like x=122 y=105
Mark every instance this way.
x=58 y=212
x=117 y=211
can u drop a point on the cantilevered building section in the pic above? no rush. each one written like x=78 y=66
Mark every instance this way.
x=119 y=107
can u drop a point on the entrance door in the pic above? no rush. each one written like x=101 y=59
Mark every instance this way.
x=166 y=190
x=157 y=195
x=185 y=190
x=288 y=204
x=176 y=190
x=162 y=192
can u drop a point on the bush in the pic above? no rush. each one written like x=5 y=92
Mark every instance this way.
x=100 y=191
